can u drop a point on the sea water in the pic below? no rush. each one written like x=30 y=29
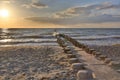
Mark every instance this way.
x=39 y=36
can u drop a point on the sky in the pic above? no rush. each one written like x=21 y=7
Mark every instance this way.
x=61 y=13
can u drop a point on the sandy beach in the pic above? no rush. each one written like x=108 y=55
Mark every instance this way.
x=42 y=62
x=28 y=57
x=112 y=51
x=34 y=63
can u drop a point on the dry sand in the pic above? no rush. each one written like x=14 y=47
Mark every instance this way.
x=48 y=63
x=34 y=63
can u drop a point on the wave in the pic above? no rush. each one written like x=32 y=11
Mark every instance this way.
x=97 y=37
x=27 y=37
x=22 y=41
x=28 y=42
x=36 y=36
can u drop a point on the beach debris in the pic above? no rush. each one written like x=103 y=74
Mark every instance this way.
x=30 y=78
x=91 y=51
x=77 y=66
x=69 y=52
x=94 y=52
x=56 y=34
x=107 y=60
x=73 y=60
x=64 y=45
x=97 y=54
x=118 y=71
x=66 y=49
x=102 y=57
x=85 y=75
x=87 y=49
x=71 y=56
x=83 y=46
x=114 y=64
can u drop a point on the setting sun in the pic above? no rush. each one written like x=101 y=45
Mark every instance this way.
x=4 y=13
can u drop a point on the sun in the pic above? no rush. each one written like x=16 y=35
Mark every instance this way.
x=4 y=13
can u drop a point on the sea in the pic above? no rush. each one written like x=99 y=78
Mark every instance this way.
x=43 y=36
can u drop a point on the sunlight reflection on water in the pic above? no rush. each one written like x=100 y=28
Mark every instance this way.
x=5 y=30
x=6 y=40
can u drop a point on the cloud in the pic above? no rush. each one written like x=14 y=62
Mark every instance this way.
x=86 y=10
x=71 y=21
x=107 y=5
x=104 y=18
x=38 y=5
x=75 y=11
x=82 y=14
x=6 y=1
x=35 y=4
x=45 y=19
x=26 y=6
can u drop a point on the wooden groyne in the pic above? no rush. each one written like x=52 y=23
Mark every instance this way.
x=88 y=70
x=88 y=50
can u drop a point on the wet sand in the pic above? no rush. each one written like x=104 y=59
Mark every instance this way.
x=34 y=63
x=112 y=51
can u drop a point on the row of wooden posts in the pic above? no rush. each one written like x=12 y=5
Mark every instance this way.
x=82 y=72
x=88 y=50
x=77 y=66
